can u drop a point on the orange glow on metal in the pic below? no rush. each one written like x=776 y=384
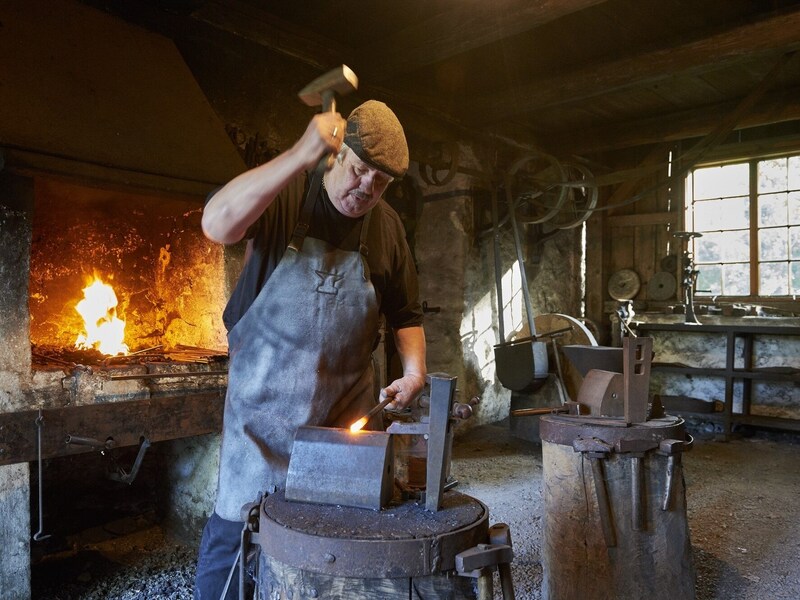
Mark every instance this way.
x=358 y=425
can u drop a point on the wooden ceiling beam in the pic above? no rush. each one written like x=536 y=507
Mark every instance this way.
x=778 y=107
x=258 y=26
x=448 y=34
x=779 y=32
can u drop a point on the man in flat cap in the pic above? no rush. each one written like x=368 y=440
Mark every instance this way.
x=326 y=257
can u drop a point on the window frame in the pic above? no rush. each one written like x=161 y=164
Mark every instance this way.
x=752 y=161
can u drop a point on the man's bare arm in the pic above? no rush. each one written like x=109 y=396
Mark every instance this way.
x=237 y=205
x=410 y=342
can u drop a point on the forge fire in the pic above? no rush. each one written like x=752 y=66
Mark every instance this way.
x=103 y=329
x=114 y=272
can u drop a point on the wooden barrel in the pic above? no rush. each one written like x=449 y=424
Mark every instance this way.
x=637 y=550
x=337 y=552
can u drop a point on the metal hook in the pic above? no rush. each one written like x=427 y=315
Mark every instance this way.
x=38 y=536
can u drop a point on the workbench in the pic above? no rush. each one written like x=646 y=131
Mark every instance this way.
x=745 y=371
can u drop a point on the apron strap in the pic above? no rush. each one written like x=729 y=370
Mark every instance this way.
x=300 y=230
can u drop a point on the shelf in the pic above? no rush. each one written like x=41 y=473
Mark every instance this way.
x=730 y=373
x=735 y=373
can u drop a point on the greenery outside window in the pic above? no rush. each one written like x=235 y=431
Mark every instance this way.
x=749 y=215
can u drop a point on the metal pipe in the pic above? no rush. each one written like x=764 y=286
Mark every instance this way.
x=523 y=274
x=38 y=536
x=163 y=375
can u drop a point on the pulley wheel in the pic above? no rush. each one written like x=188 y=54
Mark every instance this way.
x=577 y=334
x=534 y=188
x=581 y=199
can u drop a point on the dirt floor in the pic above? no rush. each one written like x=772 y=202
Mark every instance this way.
x=743 y=513
x=742 y=506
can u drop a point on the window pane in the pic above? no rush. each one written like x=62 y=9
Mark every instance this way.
x=709 y=280
x=727 y=213
x=794 y=208
x=718 y=182
x=772 y=175
x=773 y=279
x=736 y=279
x=772 y=209
x=773 y=244
x=727 y=246
x=794 y=172
x=794 y=243
x=795 y=270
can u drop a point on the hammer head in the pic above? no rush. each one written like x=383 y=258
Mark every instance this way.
x=319 y=92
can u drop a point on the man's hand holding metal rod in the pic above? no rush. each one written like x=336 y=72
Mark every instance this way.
x=396 y=395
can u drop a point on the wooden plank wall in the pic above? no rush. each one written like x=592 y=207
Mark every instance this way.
x=633 y=231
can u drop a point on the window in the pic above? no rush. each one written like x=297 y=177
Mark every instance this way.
x=749 y=216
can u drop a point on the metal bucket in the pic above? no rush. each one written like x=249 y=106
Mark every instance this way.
x=521 y=366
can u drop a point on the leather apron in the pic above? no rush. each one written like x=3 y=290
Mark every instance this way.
x=300 y=355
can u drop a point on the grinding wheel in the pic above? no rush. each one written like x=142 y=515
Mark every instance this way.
x=578 y=334
x=624 y=284
x=661 y=286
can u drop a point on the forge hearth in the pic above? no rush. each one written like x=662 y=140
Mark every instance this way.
x=168 y=279
x=61 y=405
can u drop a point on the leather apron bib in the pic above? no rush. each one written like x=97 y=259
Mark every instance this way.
x=300 y=355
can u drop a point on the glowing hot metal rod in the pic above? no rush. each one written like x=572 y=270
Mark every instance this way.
x=359 y=425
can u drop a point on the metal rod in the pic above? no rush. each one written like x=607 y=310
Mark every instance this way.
x=378 y=408
x=38 y=536
x=523 y=274
x=530 y=412
x=561 y=385
x=497 y=267
x=163 y=375
x=533 y=338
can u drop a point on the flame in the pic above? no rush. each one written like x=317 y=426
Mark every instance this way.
x=358 y=425
x=104 y=331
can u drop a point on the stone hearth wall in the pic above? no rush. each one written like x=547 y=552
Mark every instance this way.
x=16 y=201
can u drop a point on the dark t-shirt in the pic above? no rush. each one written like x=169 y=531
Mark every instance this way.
x=389 y=259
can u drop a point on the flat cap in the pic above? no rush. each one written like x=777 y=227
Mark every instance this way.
x=376 y=136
